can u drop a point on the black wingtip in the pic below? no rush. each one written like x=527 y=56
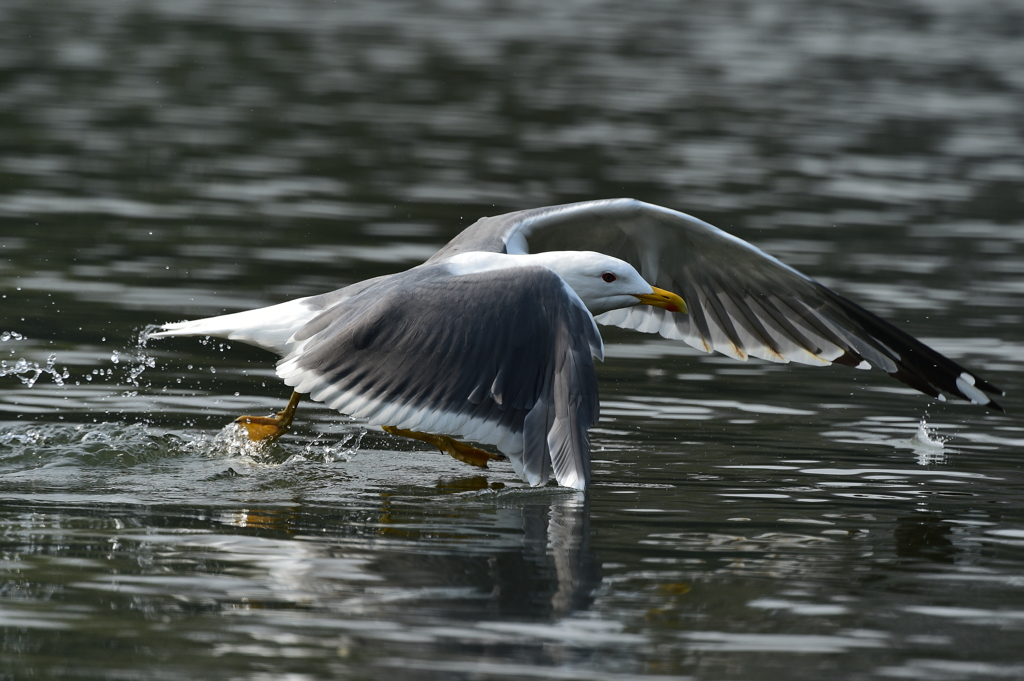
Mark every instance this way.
x=987 y=387
x=917 y=365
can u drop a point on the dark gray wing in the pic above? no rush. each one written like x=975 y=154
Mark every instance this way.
x=502 y=357
x=742 y=301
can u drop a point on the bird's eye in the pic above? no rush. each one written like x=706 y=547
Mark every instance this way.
x=608 y=276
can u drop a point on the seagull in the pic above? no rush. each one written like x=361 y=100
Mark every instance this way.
x=493 y=339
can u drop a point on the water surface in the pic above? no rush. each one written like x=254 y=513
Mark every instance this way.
x=163 y=161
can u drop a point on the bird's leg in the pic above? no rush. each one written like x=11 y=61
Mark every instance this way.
x=459 y=450
x=269 y=428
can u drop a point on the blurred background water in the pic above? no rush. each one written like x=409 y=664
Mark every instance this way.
x=161 y=161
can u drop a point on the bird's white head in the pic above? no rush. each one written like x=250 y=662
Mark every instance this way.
x=605 y=283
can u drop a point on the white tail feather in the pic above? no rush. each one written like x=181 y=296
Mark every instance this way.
x=271 y=327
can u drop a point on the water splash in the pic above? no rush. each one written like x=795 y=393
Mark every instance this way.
x=30 y=372
x=928 y=438
x=96 y=444
x=928 y=445
x=134 y=357
x=232 y=442
x=129 y=365
x=342 y=450
x=145 y=333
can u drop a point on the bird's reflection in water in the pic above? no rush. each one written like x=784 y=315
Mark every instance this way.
x=529 y=555
x=925 y=539
x=556 y=541
x=521 y=556
x=471 y=484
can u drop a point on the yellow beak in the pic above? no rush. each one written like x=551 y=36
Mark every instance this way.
x=663 y=299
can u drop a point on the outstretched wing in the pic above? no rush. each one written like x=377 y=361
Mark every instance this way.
x=742 y=301
x=503 y=357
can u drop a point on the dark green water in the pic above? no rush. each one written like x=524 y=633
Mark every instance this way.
x=161 y=161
